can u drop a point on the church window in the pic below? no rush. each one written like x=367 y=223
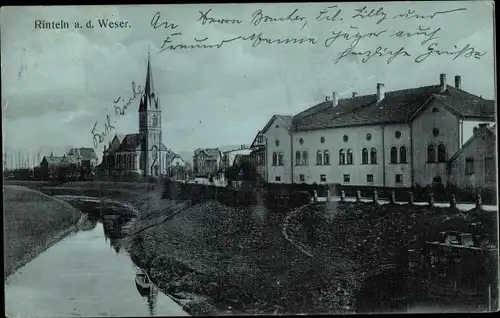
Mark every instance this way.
x=155 y=121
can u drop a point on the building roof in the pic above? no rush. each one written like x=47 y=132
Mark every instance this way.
x=149 y=100
x=209 y=152
x=52 y=160
x=129 y=143
x=476 y=134
x=171 y=156
x=286 y=120
x=69 y=160
x=397 y=106
x=83 y=153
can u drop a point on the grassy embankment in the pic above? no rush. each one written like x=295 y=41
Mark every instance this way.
x=32 y=222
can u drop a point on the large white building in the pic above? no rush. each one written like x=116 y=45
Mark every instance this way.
x=397 y=138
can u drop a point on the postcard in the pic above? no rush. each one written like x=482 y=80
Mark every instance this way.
x=249 y=159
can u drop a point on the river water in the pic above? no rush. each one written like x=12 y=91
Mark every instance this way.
x=87 y=274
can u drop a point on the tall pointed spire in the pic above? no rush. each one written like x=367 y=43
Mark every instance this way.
x=149 y=91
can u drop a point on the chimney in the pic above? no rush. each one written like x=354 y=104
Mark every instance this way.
x=354 y=94
x=442 y=82
x=334 y=99
x=458 y=82
x=380 y=92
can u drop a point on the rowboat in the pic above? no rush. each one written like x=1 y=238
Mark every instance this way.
x=142 y=283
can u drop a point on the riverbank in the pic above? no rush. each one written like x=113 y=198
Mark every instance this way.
x=32 y=223
x=219 y=260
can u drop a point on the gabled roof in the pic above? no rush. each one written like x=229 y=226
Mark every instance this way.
x=83 y=153
x=171 y=156
x=285 y=120
x=255 y=142
x=69 y=160
x=477 y=133
x=209 y=152
x=52 y=160
x=129 y=143
x=397 y=106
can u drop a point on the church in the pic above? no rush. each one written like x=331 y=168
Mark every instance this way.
x=140 y=153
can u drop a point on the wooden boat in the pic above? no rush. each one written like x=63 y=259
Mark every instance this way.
x=142 y=283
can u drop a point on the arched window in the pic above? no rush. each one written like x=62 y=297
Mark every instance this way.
x=275 y=159
x=373 y=156
x=326 y=157
x=402 y=154
x=342 y=157
x=394 y=155
x=441 y=153
x=155 y=121
x=280 y=159
x=350 y=157
x=319 y=157
x=304 y=158
x=431 y=153
x=364 y=156
x=297 y=158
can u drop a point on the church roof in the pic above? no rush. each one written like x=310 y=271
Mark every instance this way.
x=129 y=143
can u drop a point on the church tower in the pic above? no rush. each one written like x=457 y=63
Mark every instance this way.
x=150 y=127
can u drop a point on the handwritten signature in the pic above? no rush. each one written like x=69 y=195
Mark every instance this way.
x=120 y=106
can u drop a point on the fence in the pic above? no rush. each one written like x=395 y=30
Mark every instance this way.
x=410 y=200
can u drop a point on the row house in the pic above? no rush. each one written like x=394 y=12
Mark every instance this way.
x=397 y=138
x=207 y=162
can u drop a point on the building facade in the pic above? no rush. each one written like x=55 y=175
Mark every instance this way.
x=207 y=162
x=474 y=165
x=389 y=139
x=258 y=155
x=141 y=153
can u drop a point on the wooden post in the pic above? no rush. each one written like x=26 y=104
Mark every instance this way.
x=453 y=202
x=392 y=197
x=342 y=195
x=375 y=196
x=431 y=199
x=489 y=297
x=315 y=196
x=479 y=202
x=411 y=200
x=358 y=196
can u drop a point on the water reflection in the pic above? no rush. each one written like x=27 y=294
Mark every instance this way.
x=79 y=276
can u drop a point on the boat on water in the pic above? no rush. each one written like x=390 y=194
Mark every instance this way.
x=142 y=283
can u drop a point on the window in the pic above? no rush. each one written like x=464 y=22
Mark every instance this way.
x=301 y=141
x=298 y=160
x=364 y=156
x=436 y=179
x=347 y=178
x=277 y=126
x=304 y=158
x=322 y=140
x=259 y=139
x=441 y=153
x=278 y=179
x=373 y=156
x=155 y=121
x=431 y=153
x=394 y=155
x=435 y=132
x=435 y=110
x=302 y=177
x=319 y=157
x=326 y=157
x=402 y=154
x=399 y=178
x=342 y=157
x=280 y=159
x=277 y=143
x=275 y=159
x=469 y=166
x=323 y=177
x=350 y=159
x=346 y=138
x=489 y=169
x=369 y=178
x=368 y=136
x=397 y=134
